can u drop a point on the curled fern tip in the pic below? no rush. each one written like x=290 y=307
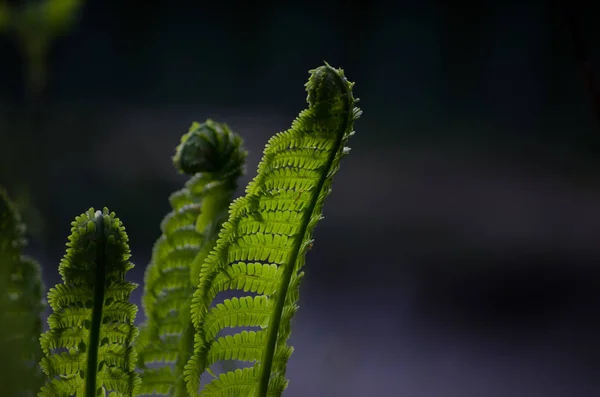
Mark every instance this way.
x=209 y=147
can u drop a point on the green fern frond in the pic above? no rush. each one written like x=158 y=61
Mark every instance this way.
x=262 y=247
x=214 y=156
x=88 y=348
x=21 y=305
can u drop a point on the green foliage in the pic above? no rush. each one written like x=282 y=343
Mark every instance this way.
x=262 y=247
x=88 y=348
x=255 y=247
x=21 y=305
x=35 y=25
x=214 y=156
x=4 y=15
x=51 y=17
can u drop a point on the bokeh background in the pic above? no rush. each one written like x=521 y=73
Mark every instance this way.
x=459 y=251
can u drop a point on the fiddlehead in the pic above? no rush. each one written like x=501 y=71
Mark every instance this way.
x=92 y=321
x=214 y=157
x=262 y=246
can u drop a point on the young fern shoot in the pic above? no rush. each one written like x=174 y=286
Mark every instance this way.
x=21 y=305
x=215 y=158
x=92 y=320
x=262 y=247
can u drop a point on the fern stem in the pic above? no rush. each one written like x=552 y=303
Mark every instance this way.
x=275 y=320
x=186 y=344
x=94 y=341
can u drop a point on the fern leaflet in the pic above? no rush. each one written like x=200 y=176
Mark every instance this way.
x=261 y=248
x=88 y=348
x=214 y=155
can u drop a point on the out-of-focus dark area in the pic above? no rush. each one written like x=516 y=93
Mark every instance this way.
x=459 y=251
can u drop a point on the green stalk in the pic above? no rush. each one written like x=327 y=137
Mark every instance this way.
x=94 y=341
x=186 y=348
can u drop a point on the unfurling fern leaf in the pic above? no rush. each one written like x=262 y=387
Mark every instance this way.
x=262 y=247
x=21 y=305
x=88 y=348
x=214 y=156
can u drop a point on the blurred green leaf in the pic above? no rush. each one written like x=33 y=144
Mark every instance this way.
x=49 y=18
x=35 y=25
x=4 y=16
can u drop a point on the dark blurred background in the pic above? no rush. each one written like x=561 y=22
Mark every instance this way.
x=459 y=251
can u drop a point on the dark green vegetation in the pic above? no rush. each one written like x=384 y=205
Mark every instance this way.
x=21 y=307
x=254 y=246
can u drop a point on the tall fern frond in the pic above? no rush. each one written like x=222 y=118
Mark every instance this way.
x=88 y=348
x=215 y=158
x=262 y=247
x=21 y=304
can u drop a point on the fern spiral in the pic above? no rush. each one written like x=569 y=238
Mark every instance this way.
x=262 y=247
x=88 y=348
x=214 y=157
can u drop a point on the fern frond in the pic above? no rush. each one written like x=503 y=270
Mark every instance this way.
x=261 y=248
x=88 y=348
x=214 y=156
x=21 y=304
